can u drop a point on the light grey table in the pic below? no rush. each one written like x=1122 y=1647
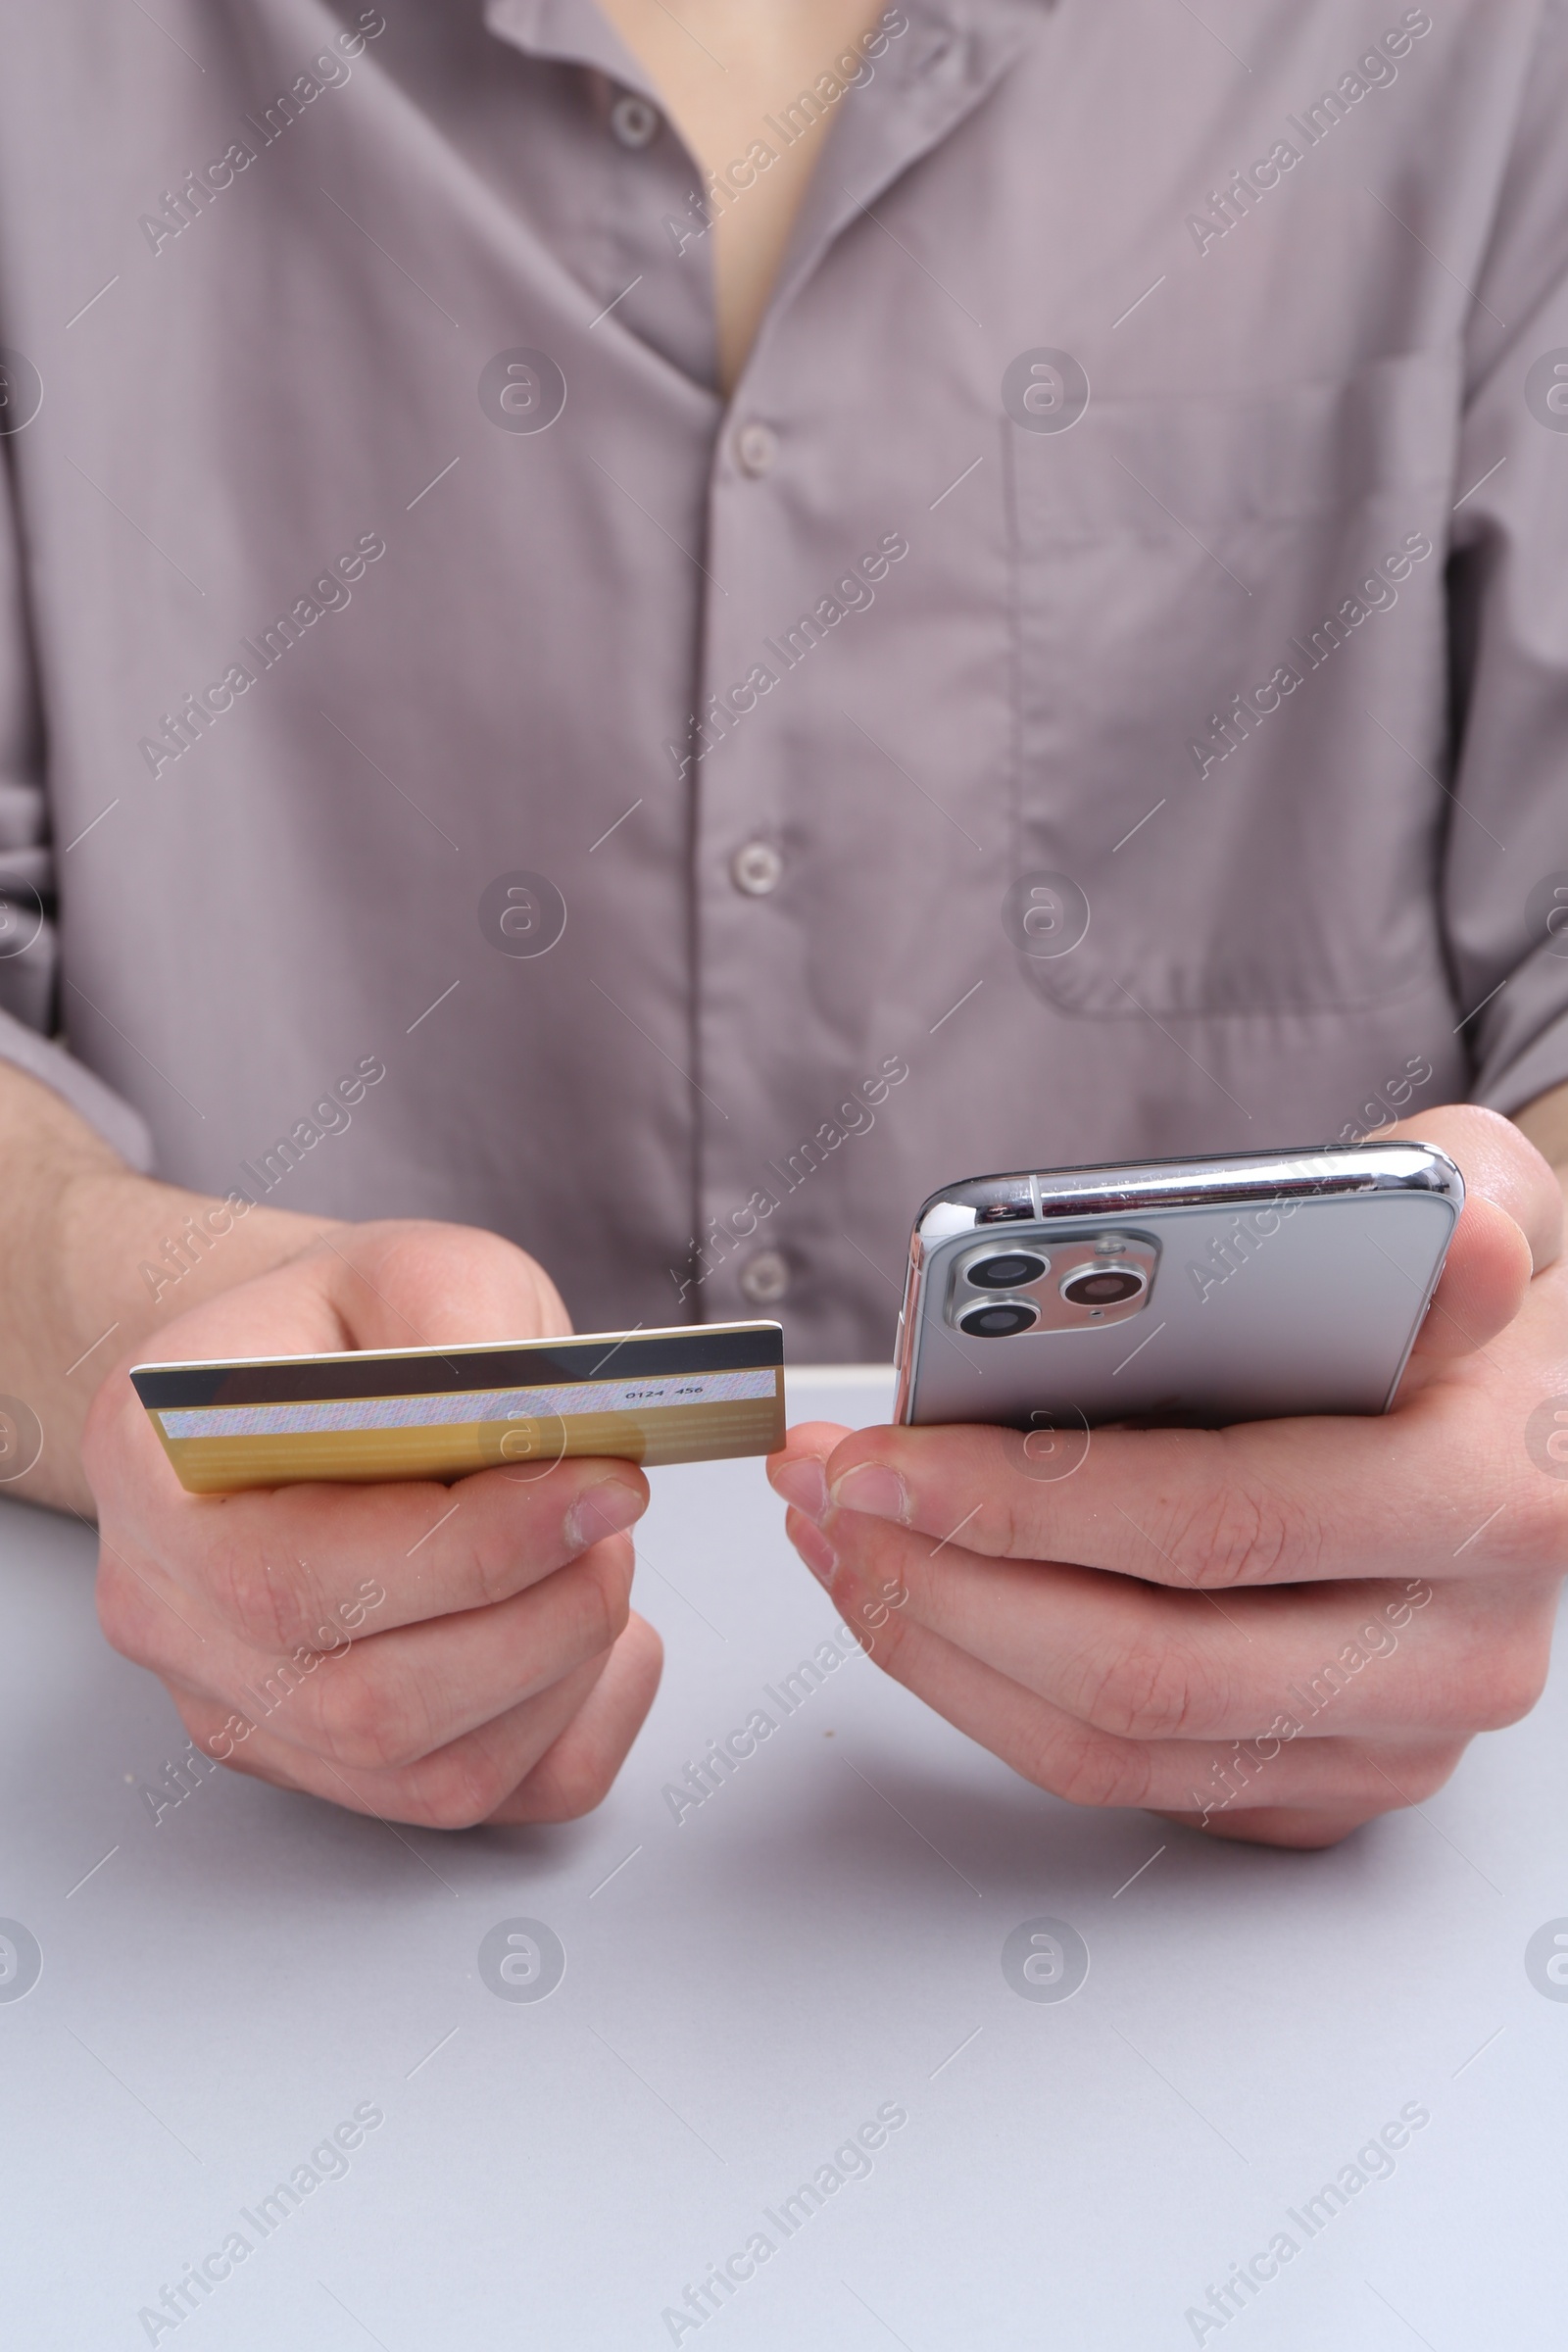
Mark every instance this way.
x=748 y=1989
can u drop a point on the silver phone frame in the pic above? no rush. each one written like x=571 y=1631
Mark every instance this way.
x=1123 y=1191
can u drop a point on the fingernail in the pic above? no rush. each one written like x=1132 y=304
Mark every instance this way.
x=602 y=1511
x=804 y=1482
x=815 y=1551
x=875 y=1489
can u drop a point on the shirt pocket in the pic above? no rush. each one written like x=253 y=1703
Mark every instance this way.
x=1232 y=843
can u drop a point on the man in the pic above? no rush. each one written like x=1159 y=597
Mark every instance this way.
x=638 y=633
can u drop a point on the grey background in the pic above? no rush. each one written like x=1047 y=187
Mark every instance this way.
x=818 y=1940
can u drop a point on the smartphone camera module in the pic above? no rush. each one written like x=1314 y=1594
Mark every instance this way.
x=1057 y=1283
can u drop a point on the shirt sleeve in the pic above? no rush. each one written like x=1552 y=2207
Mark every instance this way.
x=1506 y=855
x=29 y=948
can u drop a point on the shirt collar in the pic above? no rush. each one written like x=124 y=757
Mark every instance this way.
x=570 y=32
x=925 y=82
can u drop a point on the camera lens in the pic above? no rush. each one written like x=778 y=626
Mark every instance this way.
x=1104 y=1286
x=1006 y=1271
x=1002 y=1321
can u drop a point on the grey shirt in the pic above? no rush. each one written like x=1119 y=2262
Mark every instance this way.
x=1097 y=688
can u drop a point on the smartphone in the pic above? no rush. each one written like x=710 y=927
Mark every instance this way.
x=1199 y=1291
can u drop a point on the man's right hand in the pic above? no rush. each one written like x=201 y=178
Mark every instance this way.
x=444 y=1656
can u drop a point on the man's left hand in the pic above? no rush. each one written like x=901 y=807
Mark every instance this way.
x=1275 y=1631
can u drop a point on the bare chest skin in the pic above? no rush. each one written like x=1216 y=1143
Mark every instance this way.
x=720 y=65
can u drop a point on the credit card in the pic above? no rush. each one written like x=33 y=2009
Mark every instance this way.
x=691 y=1394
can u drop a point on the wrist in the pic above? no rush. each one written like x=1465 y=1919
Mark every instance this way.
x=134 y=1252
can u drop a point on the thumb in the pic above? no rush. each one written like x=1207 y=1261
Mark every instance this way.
x=1510 y=1226
x=412 y=1284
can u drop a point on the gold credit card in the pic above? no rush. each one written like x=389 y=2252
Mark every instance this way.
x=692 y=1395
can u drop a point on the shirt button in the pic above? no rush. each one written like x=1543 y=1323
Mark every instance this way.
x=765 y=1277
x=755 y=448
x=633 y=120
x=757 y=868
